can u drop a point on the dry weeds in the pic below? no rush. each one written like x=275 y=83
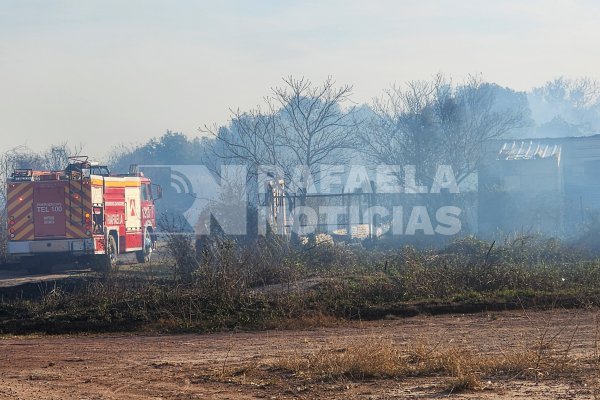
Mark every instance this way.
x=382 y=358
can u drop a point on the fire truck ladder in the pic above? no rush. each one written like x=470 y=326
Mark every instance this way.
x=75 y=173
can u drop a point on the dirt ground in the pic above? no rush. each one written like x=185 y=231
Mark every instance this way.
x=13 y=275
x=198 y=366
x=16 y=276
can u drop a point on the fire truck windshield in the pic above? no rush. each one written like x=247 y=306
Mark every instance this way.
x=100 y=170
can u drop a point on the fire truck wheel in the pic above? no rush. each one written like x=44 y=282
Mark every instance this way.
x=144 y=256
x=107 y=262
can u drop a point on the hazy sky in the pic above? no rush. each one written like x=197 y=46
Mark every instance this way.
x=106 y=72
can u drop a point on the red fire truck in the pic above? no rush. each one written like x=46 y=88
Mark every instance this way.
x=83 y=212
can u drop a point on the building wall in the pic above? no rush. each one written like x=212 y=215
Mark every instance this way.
x=582 y=181
x=557 y=195
x=521 y=196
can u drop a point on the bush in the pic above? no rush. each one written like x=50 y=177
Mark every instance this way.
x=268 y=283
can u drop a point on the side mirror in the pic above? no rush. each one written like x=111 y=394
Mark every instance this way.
x=157 y=193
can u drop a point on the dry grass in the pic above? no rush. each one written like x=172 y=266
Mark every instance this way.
x=370 y=360
x=381 y=358
x=271 y=284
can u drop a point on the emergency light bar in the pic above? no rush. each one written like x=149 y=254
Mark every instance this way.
x=22 y=175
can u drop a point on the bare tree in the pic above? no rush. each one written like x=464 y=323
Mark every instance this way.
x=57 y=157
x=578 y=93
x=429 y=123
x=300 y=124
x=566 y=106
x=17 y=157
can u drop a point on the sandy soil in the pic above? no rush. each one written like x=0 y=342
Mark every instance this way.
x=188 y=366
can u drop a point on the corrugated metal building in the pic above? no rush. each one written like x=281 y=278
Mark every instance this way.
x=540 y=185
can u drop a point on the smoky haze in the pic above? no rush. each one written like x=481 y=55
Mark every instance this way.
x=304 y=86
x=196 y=172
x=470 y=153
x=507 y=161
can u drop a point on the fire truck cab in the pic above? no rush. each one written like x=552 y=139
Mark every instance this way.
x=83 y=212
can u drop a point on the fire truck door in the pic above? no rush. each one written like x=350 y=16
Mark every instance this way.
x=133 y=219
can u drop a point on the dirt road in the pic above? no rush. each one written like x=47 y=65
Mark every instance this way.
x=199 y=366
x=10 y=277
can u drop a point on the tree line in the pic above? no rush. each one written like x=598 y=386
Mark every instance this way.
x=421 y=123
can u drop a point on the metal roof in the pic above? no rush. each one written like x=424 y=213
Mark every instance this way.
x=528 y=150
